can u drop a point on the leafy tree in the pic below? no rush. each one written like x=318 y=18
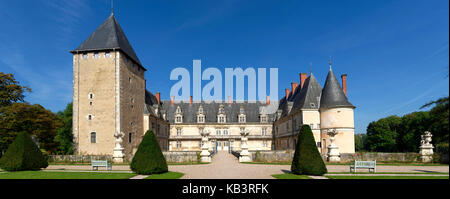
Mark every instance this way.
x=360 y=140
x=149 y=158
x=307 y=159
x=439 y=125
x=64 y=136
x=382 y=135
x=10 y=90
x=412 y=126
x=23 y=154
x=34 y=119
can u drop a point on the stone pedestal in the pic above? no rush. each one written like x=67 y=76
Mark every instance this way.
x=426 y=148
x=244 y=156
x=204 y=155
x=118 y=155
x=333 y=150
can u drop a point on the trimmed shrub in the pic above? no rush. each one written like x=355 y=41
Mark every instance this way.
x=307 y=159
x=149 y=158
x=22 y=155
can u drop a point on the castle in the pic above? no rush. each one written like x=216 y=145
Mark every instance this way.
x=112 y=108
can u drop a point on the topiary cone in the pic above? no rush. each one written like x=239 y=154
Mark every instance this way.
x=307 y=159
x=149 y=158
x=22 y=155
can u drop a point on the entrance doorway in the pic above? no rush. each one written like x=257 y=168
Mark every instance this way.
x=222 y=145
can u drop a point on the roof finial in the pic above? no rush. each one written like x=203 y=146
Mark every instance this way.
x=112 y=7
x=330 y=63
x=310 y=69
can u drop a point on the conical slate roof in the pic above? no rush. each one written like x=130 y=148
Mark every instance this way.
x=309 y=96
x=108 y=36
x=332 y=94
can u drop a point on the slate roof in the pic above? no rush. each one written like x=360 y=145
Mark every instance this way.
x=151 y=104
x=309 y=96
x=109 y=36
x=332 y=94
x=210 y=109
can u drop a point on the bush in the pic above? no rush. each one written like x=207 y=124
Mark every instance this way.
x=149 y=158
x=307 y=159
x=22 y=155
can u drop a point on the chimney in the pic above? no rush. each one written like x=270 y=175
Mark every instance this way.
x=287 y=92
x=303 y=76
x=171 y=100
x=344 y=83
x=294 y=86
x=229 y=100
x=190 y=100
x=268 y=100
x=158 y=97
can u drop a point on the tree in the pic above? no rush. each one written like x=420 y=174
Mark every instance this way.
x=360 y=140
x=382 y=135
x=23 y=154
x=439 y=122
x=34 y=119
x=64 y=135
x=149 y=158
x=412 y=126
x=307 y=159
x=10 y=90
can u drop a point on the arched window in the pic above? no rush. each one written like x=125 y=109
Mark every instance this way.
x=93 y=137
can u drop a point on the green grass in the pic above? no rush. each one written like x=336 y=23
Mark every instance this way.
x=290 y=176
x=63 y=175
x=168 y=175
x=123 y=164
x=351 y=163
x=387 y=177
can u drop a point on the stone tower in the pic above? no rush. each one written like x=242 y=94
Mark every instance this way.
x=336 y=114
x=108 y=92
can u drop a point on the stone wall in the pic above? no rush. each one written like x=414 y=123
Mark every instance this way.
x=286 y=156
x=171 y=157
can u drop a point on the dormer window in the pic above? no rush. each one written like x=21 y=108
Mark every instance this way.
x=201 y=119
x=178 y=110
x=312 y=105
x=242 y=119
x=263 y=119
x=178 y=119
x=221 y=117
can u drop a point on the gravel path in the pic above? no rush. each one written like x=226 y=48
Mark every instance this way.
x=226 y=166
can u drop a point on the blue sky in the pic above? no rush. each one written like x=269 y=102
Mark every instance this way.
x=396 y=53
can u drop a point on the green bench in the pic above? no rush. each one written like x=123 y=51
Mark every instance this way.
x=101 y=163
x=364 y=165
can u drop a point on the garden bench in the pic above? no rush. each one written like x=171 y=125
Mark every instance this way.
x=101 y=163
x=364 y=165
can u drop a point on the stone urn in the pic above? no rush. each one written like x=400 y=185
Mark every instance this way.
x=244 y=156
x=426 y=148
x=118 y=154
x=204 y=155
x=333 y=150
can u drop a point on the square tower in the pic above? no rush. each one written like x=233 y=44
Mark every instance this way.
x=108 y=93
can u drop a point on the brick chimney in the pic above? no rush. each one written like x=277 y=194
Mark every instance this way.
x=172 y=98
x=190 y=100
x=158 y=97
x=303 y=76
x=287 y=92
x=344 y=83
x=229 y=100
x=268 y=100
x=294 y=86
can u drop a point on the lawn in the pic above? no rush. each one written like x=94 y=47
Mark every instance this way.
x=168 y=175
x=388 y=177
x=64 y=175
x=290 y=176
x=330 y=173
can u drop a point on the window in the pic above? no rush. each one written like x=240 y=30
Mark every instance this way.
x=242 y=119
x=178 y=119
x=90 y=103
x=91 y=95
x=264 y=143
x=217 y=132
x=263 y=119
x=129 y=80
x=96 y=56
x=201 y=119
x=319 y=144
x=85 y=55
x=130 y=135
x=178 y=132
x=89 y=117
x=312 y=105
x=107 y=55
x=263 y=131
x=318 y=126
x=93 y=137
x=312 y=126
x=221 y=119
x=178 y=144
x=225 y=132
